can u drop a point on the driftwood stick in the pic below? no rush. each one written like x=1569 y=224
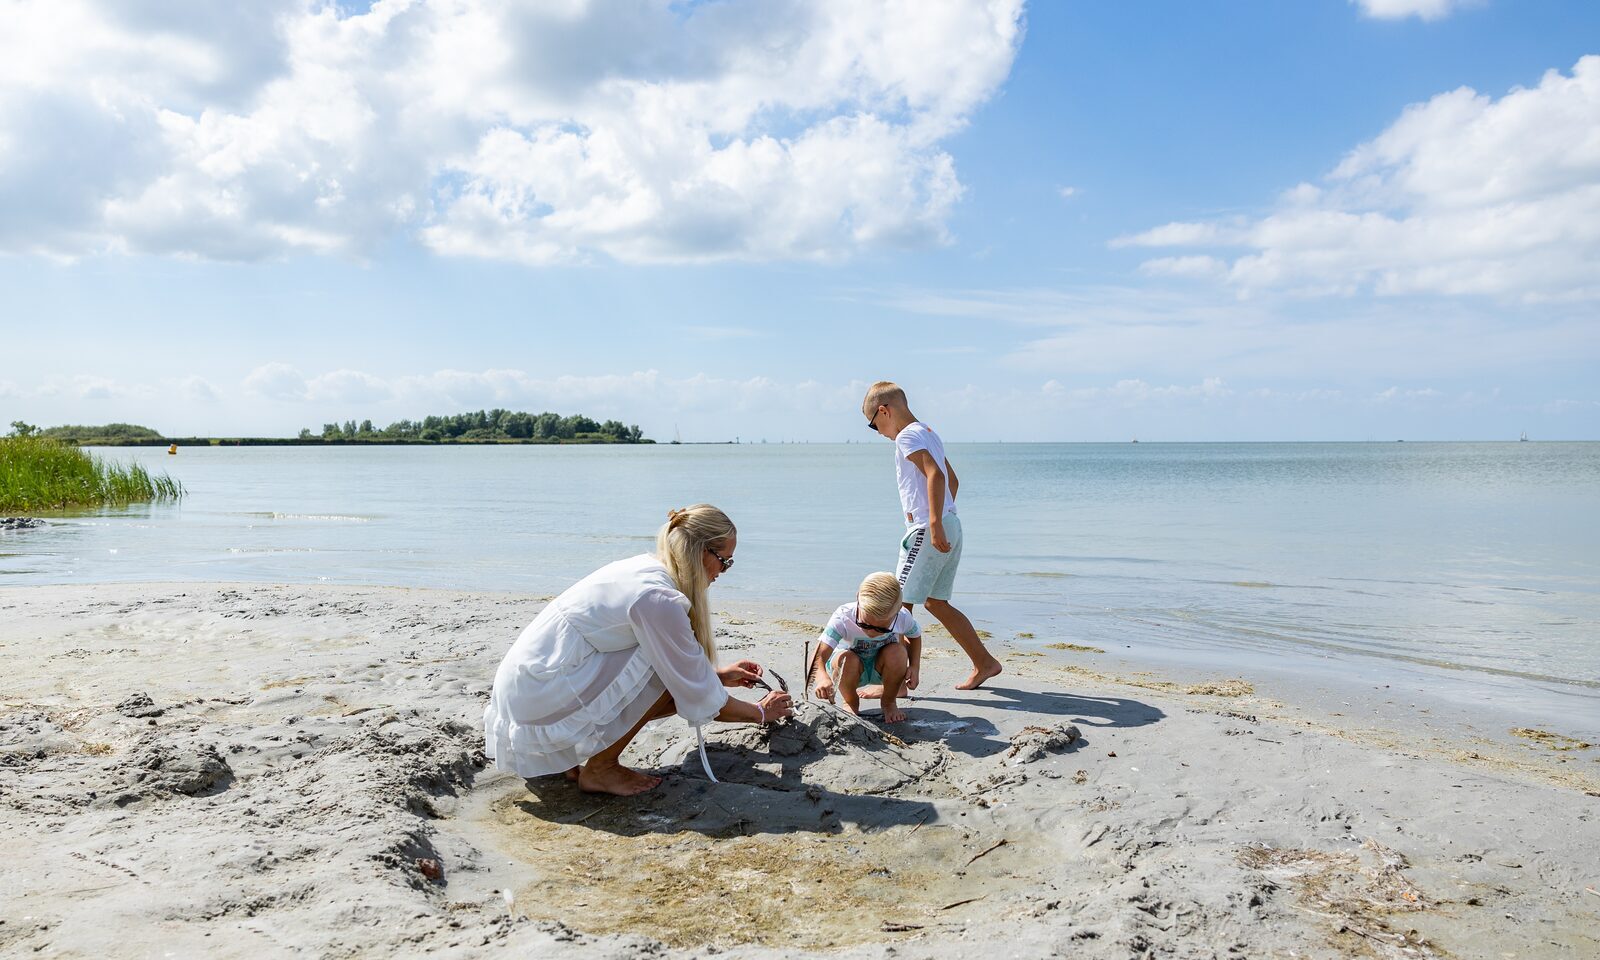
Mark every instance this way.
x=987 y=851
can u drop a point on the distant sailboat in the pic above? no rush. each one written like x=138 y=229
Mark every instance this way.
x=677 y=435
x=1523 y=438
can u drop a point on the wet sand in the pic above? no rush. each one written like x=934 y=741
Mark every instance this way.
x=244 y=770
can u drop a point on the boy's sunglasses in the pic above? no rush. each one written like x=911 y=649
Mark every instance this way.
x=873 y=629
x=872 y=424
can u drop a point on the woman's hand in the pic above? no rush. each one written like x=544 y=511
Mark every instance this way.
x=776 y=706
x=741 y=674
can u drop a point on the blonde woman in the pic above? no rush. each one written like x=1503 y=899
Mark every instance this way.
x=627 y=644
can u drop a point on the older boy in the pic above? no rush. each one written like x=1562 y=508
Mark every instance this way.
x=872 y=641
x=928 y=487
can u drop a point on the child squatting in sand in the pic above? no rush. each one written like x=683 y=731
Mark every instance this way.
x=872 y=646
x=928 y=486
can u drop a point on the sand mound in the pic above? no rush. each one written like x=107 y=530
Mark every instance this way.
x=820 y=746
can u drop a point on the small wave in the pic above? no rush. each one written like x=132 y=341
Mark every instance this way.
x=1253 y=584
x=1046 y=574
x=331 y=517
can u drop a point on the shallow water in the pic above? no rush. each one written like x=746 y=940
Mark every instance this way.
x=1475 y=563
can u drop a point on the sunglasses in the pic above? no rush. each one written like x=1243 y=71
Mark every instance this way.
x=874 y=630
x=873 y=423
x=725 y=561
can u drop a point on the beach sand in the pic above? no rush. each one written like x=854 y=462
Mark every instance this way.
x=248 y=770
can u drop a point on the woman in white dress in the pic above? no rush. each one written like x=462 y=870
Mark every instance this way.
x=627 y=644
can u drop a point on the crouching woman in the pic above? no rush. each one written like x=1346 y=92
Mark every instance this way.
x=627 y=644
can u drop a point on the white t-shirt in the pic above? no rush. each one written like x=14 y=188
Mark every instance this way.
x=913 y=484
x=842 y=632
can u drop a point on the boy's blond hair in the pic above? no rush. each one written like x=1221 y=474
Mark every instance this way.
x=884 y=392
x=879 y=596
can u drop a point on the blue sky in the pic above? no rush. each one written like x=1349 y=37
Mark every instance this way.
x=1069 y=221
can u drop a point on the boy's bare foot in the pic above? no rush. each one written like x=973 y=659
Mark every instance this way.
x=981 y=675
x=573 y=774
x=616 y=780
x=892 y=712
x=873 y=691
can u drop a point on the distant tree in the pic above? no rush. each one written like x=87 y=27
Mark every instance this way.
x=20 y=429
x=481 y=425
x=305 y=433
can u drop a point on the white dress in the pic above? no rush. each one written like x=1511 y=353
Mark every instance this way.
x=590 y=666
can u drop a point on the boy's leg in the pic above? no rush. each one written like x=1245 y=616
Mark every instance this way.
x=984 y=665
x=941 y=586
x=893 y=662
x=849 y=680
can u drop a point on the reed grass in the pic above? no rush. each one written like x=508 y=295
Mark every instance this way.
x=38 y=473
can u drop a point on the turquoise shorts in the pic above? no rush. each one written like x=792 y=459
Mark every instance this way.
x=923 y=571
x=869 y=665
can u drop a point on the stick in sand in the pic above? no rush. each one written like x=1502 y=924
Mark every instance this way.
x=987 y=851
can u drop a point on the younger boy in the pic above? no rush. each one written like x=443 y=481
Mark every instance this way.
x=872 y=641
x=928 y=496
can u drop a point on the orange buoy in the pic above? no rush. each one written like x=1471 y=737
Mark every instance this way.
x=172 y=450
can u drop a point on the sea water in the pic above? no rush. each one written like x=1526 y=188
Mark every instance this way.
x=1477 y=564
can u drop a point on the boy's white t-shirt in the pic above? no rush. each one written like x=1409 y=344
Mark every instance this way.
x=842 y=633
x=913 y=485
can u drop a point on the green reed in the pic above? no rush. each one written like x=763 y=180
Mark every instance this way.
x=37 y=473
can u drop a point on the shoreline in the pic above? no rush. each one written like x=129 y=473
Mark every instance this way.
x=255 y=770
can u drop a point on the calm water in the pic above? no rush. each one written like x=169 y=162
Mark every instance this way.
x=1478 y=561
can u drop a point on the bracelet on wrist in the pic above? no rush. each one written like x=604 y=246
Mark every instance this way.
x=763 y=714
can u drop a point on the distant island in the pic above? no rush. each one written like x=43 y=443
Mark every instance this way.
x=478 y=427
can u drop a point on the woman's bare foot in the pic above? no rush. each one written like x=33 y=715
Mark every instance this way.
x=981 y=675
x=892 y=712
x=615 y=779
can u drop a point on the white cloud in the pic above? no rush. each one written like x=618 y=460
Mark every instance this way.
x=1176 y=332
x=1399 y=9
x=196 y=389
x=1175 y=235
x=1067 y=193
x=95 y=388
x=540 y=131
x=1407 y=393
x=347 y=386
x=1462 y=195
x=277 y=381
x=1200 y=267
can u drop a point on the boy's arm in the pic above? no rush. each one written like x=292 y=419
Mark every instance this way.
x=935 y=479
x=950 y=475
x=823 y=686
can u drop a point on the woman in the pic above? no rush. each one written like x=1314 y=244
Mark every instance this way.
x=627 y=644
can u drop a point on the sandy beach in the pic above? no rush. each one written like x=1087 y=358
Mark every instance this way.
x=248 y=770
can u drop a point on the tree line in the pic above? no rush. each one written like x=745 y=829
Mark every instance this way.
x=484 y=425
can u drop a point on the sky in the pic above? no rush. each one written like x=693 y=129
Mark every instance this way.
x=1063 y=221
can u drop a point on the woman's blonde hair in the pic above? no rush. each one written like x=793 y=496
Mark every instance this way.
x=680 y=546
x=879 y=596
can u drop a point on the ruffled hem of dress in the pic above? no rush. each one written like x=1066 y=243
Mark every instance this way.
x=579 y=731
